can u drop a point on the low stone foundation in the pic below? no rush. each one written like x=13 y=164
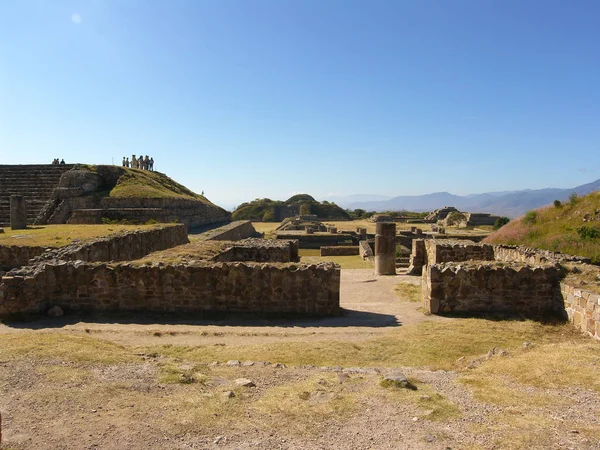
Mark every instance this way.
x=220 y=287
x=120 y=247
x=260 y=250
x=485 y=287
x=345 y=250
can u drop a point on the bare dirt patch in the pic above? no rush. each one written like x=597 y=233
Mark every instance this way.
x=114 y=383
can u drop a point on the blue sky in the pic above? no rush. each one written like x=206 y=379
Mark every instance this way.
x=267 y=98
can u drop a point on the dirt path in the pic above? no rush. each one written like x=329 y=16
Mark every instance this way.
x=370 y=303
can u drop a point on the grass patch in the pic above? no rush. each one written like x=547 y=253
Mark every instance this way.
x=172 y=373
x=63 y=347
x=143 y=183
x=301 y=407
x=409 y=292
x=433 y=344
x=63 y=374
x=62 y=235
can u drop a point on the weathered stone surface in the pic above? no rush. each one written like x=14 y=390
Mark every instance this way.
x=18 y=212
x=342 y=250
x=385 y=249
x=244 y=382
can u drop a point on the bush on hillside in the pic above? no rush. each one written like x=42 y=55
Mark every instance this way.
x=530 y=217
x=586 y=232
x=573 y=198
x=455 y=218
x=500 y=222
x=557 y=204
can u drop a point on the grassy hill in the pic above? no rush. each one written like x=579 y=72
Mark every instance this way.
x=267 y=210
x=122 y=182
x=572 y=227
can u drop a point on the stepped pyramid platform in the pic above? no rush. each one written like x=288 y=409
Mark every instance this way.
x=35 y=182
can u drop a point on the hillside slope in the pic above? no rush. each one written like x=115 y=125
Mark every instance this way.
x=572 y=227
x=267 y=210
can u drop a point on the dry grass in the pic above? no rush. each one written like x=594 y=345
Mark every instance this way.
x=61 y=235
x=555 y=229
x=302 y=406
x=432 y=344
x=409 y=291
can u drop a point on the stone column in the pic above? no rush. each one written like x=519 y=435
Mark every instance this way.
x=385 y=249
x=18 y=212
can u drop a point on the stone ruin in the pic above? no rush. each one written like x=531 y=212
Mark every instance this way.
x=248 y=275
x=75 y=194
x=461 y=277
x=301 y=223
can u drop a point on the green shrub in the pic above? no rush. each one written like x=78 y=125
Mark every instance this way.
x=557 y=204
x=269 y=215
x=500 y=222
x=455 y=218
x=573 y=198
x=530 y=217
x=305 y=209
x=587 y=232
x=152 y=222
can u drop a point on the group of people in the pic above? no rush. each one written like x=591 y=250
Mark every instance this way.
x=143 y=162
x=55 y=161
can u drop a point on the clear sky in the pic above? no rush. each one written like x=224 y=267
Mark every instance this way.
x=267 y=98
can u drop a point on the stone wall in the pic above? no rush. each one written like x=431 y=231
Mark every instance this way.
x=12 y=256
x=343 y=250
x=260 y=250
x=484 y=287
x=213 y=287
x=418 y=257
x=533 y=255
x=582 y=308
x=120 y=247
x=234 y=231
x=447 y=250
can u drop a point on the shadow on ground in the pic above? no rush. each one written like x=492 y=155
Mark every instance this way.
x=348 y=318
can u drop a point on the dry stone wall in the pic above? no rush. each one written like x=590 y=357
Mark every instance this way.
x=260 y=250
x=447 y=251
x=220 y=287
x=12 y=256
x=527 y=255
x=491 y=287
x=342 y=250
x=120 y=247
x=582 y=308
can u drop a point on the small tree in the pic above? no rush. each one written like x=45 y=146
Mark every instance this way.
x=500 y=222
x=557 y=204
x=455 y=218
x=573 y=198
x=305 y=209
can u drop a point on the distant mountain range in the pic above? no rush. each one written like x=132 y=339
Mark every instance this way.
x=507 y=203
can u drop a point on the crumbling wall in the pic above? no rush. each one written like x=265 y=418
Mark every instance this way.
x=342 y=250
x=180 y=288
x=484 y=287
x=12 y=256
x=366 y=249
x=528 y=255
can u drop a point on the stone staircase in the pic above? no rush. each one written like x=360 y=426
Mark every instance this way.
x=402 y=262
x=35 y=182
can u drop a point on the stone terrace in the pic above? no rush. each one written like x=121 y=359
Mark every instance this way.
x=35 y=182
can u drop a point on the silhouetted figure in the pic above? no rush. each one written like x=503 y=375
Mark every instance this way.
x=62 y=161
x=123 y=163
x=126 y=162
x=151 y=166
